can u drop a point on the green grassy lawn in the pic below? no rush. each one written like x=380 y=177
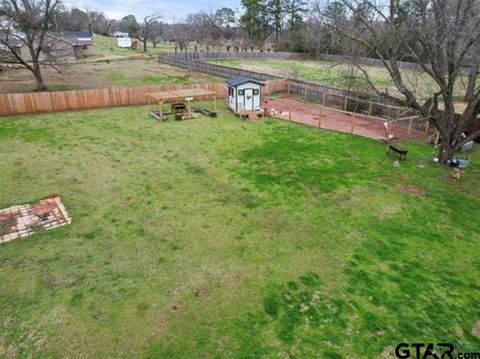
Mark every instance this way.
x=105 y=45
x=131 y=72
x=122 y=79
x=333 y=74
x=300 y=242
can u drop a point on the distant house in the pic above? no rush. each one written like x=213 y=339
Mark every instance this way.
x=63 y=46
x=244 y=94
x=80 y=42
x=120 y=34
x=12 y=38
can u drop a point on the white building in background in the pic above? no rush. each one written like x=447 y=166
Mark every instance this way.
x=124 y=42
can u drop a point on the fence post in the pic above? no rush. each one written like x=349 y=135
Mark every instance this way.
x=9 y=107
x=345 y=104
x=320 y=117
x=410 y=127
x=370 y=108
x=52 y=106
x=427 y=127
x=111 y=96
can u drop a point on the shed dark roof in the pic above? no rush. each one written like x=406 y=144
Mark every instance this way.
x=77 y=34
x=240 y=80
x=74 y=38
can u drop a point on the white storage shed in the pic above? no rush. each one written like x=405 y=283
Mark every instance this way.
x=124 y=42
x=244 y=94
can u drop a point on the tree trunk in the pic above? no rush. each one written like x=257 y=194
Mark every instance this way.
x=446 y=152
x=472 y=79
x=38 y=77
x=145 y=45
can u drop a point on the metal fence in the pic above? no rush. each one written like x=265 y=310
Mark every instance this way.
x=377 y=62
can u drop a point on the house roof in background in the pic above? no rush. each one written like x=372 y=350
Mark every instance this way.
x=12 y=38
x=75 y=38
x=84 y=34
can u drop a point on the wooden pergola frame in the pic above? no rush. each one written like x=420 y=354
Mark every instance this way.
x=188 y=95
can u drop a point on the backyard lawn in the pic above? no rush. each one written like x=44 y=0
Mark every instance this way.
x=107 y=47
x=220 y=238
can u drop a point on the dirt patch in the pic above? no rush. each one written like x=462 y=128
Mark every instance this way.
x=387 y=353
x=459 y=332
x=411 y=189
x=177 y=308
x=476 y=330
x=288 y=108
x=199 y=291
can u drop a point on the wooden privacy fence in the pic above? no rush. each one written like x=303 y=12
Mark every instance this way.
x=34 y=102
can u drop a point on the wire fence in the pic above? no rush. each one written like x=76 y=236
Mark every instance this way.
x=233 y=55
x=347 y=102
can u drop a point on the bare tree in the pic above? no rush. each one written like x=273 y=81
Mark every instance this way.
x=181 y=36
x=98 y=23
x=437 y=34
x=156 y=36
x=27 y=23
x=473 y=73
x=147 y=28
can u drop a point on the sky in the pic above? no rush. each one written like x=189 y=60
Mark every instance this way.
x=172 y=10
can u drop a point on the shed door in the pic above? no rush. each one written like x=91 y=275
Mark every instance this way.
x=249 y=99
